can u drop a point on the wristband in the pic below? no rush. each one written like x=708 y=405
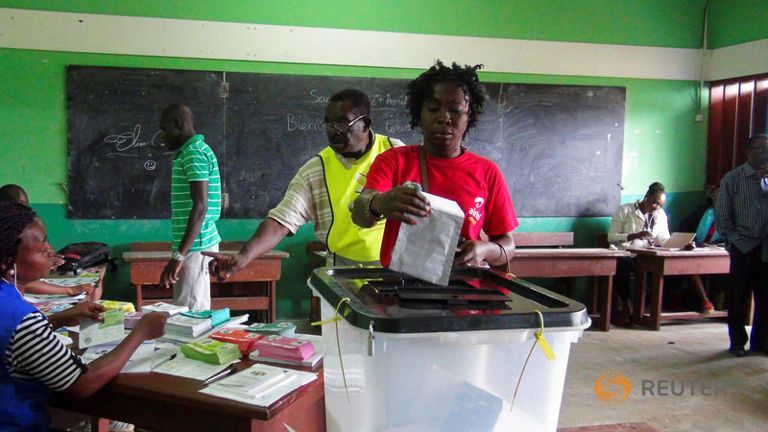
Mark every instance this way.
x=177 y=256
x=368 y=210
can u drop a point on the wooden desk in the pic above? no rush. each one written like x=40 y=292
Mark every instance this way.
x=653 y=265
x=252 y=288
x=558 y=263
x=161 y=402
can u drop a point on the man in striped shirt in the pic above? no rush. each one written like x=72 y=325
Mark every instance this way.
x=195 y=208
x=741 y=217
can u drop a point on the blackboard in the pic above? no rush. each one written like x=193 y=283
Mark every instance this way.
x=559 y=147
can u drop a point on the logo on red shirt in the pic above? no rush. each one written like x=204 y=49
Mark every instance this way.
x=475 y=213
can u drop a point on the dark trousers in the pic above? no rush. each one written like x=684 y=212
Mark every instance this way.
x=748 y=275
x=625 y=267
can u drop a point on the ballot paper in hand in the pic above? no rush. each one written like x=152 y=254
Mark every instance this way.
x=426 y=250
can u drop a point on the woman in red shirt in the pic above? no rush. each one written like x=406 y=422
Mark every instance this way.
x=445 y=102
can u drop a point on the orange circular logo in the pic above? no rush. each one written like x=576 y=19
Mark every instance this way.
x=612 y=387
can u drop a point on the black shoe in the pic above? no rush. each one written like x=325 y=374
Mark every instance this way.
x=737 y=351
x=758 y=351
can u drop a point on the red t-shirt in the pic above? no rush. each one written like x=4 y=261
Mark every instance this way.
x=474 y=182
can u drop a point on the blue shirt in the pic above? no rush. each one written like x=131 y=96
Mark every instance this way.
x=23 y=403
x=741 y=214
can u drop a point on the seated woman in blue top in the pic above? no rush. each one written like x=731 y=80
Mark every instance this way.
x=705 y=231
x=34 y=360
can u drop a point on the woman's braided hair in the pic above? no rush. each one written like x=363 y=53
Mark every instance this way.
x=14 y=218
x=463 y=76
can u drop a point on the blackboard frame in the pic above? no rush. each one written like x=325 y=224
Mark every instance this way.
x=559 y=146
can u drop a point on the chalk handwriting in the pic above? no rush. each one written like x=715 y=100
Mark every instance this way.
x=128 y=140
x=296 y=123
x=132 y=140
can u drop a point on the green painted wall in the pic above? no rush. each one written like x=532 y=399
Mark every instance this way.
x=732 y=22
x=662 y=140
x=668 y=23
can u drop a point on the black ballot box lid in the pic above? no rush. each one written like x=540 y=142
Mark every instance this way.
x=475 y=299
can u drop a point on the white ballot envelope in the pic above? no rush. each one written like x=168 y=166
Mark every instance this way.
x=426 y=250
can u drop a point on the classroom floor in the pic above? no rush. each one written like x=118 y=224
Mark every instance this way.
x=688 y=353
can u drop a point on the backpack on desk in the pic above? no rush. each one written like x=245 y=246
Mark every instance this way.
x=80 y=256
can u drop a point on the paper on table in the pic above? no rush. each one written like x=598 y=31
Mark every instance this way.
x=267 y=397
x=54 y=298
x=188 y=368
x=72 y=281
x=181 y=338
x=140 y=361
x=426 y=250
x=94 y=332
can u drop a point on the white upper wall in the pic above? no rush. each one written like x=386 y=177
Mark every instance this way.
x=110 y=34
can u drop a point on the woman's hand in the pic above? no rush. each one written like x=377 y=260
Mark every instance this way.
x=78 y=289
x=73 y=315
x=151 y=326
x=474 y=253
x=401 y=203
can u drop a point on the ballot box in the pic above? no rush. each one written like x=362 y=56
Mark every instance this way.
x=406 y=355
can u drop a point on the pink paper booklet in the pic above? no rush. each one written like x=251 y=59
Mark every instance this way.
x=284 y=348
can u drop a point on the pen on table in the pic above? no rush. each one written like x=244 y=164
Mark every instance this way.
x=171 y=357
x=222 y=373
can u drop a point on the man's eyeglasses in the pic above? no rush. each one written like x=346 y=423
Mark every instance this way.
x=340 y=126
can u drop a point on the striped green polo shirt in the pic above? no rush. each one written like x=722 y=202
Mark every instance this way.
x=193 y=162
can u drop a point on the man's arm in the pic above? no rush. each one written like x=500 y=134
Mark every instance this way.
x=199 y=192
x=293 y=211
x=724 y=222
x=267 y=236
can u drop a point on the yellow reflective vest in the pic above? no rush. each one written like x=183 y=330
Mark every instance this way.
x=344 y=184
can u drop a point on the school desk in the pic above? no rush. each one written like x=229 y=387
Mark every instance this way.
x=161 y=402
x=596 y=263
x=651 y=267
x=252 y=288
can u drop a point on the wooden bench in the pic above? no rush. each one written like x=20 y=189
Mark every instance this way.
x=543 y=239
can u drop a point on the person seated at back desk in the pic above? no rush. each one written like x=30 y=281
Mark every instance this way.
x=445 y=102
x=15 y=193
x=641 y=224
x=322 y=190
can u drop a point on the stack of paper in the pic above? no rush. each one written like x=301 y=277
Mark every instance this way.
x=260 y=385
x=114 y=304
x=50 y=308
x=283 y=348
x=59 y=299
x=110 y=329
x=131 y=319
x=311 y=362
x=280 y=329
x=426 y=250
x=187 y=326
x=211 y=351
x=167 y=309
x=196 y=323
x=217 y=316
x=83 y=279
x=243 y=339
x=255 y=380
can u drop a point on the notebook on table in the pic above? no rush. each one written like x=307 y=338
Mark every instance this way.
x=677 y=241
